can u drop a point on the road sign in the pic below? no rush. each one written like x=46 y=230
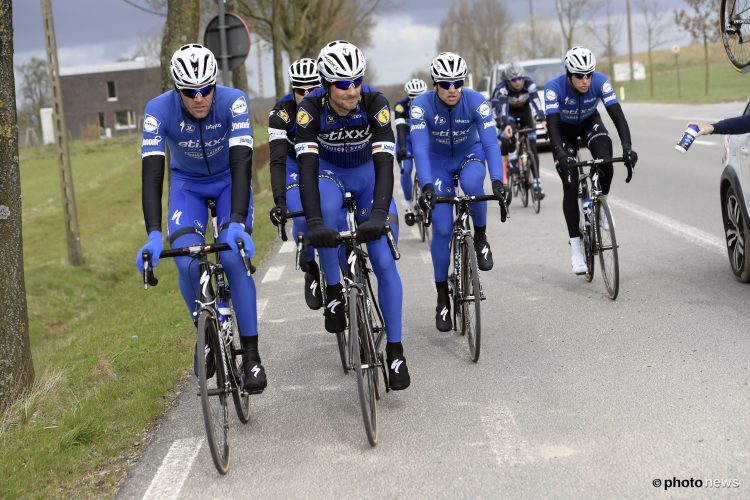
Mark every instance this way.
x=238 y=39
x=675 y=48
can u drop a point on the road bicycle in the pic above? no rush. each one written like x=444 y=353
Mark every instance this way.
x=734 y=22
x=528 y=169
x=425 y=231
x=219 y=338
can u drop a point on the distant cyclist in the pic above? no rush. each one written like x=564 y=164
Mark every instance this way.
x=513 y=100
x=344 y=131
x=452 y=130
x=413 y=88
x=211 y=146
x=304 y=78
x=571 y=100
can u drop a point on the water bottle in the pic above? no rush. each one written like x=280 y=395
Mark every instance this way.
x=225 y=316
x=587 y=208
x=687 y=139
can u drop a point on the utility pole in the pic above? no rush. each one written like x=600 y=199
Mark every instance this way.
x=630 y=49
x=533 y=33
x=70 y=215
x=223 y=41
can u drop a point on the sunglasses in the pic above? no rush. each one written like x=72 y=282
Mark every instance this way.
x=192 y=93
x=583 y=76
x=516 y=79
x=346 y=84
x=457 y=84
x=303 y=92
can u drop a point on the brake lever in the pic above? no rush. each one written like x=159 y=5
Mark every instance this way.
x=249 y=268
x=282 y=228
x=302 y=245
x=392 y=242
x=428 y=212
x=148 y=271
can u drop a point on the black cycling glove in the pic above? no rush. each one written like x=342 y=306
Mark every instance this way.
x=321 y=236
x=373 y=227
x=400 y=155
x=564 y=168
x=423 y=201
x=278 y=212
x=504 y=196
x=631 y=157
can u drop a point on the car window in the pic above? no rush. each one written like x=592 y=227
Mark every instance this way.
x=542 y=73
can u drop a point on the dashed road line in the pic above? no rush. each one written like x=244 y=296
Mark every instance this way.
x=260 y=307
x=704 y=143
x=505 y=439
x=174 y=469
x=426 y=257
x=273 y=274
x=287 y=247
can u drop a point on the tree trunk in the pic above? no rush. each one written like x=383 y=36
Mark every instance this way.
x=276 y=44
x=651 y=68
x=705 y=50
x=16 y=366
x=239 y=78
x=183 y=17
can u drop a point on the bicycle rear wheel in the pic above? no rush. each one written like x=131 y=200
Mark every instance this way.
x=241 y=398
x=364 y=364
x=524 y=181
x=734 y=24
x=215 y=407
x=531 y=176
x=607 y=248
x=471 y=317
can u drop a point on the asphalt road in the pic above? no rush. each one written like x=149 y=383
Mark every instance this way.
x=575 y=396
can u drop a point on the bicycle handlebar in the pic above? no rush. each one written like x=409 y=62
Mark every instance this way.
x=526 y=130
x=303 y=243
x=401 y=163
x=455 y=200
x=594 y=162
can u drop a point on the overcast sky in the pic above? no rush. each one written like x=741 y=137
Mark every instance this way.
x=99 y=31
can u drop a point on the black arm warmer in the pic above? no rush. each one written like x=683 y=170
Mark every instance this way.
x=621 y=124
x=278 y=169
x=383 y=191
x=401 y=131
x=152 y=185
x=241 y=170
x=733 y=126
x=308 y=188
x=555 y=138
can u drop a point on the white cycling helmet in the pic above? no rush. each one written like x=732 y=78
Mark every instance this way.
x=304 y=72
x=341 y=60
x=579 y=60
x=448 y=66
x=193 y=65
x=514 y=70
x=415 y=87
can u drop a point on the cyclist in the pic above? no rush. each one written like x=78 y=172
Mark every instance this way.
x=413 y=88
x=304 y=78
x=452 y=131
x=344 y=131
x=571 y=100
x=512 y=101
x=211 y=146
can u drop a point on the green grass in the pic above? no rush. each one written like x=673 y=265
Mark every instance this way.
x=107 y=354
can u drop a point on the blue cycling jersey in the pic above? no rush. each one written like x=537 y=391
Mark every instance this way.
x=573 y=107
x=452 y=132
x=197 y=147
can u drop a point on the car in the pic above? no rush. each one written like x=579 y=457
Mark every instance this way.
x=539 y=70
x=734 y=190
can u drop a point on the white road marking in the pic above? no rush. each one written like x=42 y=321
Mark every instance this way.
x=415 y=232
x=288 y=247
x=426 y=257
x=693 y=119
x=505 y=439
x=273 y=274
x=705 y=143
x=174 y=469
x=260 y=307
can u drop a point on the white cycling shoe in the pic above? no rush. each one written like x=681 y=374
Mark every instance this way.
x=603 y=218
x=579 y=263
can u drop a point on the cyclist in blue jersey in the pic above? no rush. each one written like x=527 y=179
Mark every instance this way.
x=570 y=101
x=304 y=78
x=512 y=101
x=452 y=130
x=211 y=146
x=413 y=88
x=344 y=131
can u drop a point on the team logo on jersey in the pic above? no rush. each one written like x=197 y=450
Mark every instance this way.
x=606 y=88
x=284 y=116
x=550 y=95
x=363 y=211
x=399 y=108
x=417 y=113
x=151 y=124
x=384 y=116
x=439 y=120
x=303 y=118
x=484 y=110
x=570 y=100
x=503 y=91
x=418 y=126
x=239 y=107
x=152 y=142
x=330 y=119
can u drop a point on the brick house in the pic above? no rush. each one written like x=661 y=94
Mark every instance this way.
x=107 y=96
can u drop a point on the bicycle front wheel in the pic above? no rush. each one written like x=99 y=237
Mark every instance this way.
x=531 y=176
x=523 y=182
x=735 y=31
x=471 y=317
x=364 y=364
x=239 y=395
x=607 y=248
x=213 y=398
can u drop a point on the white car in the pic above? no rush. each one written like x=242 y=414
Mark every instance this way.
x=735 y=200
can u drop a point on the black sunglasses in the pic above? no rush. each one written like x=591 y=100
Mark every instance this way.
x=457 y=84
x=192 y=93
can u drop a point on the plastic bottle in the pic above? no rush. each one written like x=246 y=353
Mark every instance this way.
x=687 y=139
x=587 y=208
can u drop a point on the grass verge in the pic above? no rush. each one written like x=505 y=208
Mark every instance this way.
x=107 y=354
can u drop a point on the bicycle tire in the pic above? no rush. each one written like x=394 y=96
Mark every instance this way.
x=589 y=252
x=242 y=403
x=343 y=343
x=472 y=320
x=513 y=179
x=362 y=355
x=607 y=250
x=215 y=416
x=732 y=34
x=523 y=182
x=453 y=286
x=531 y=176
x=416 y=192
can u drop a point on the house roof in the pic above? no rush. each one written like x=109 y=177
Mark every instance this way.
x=138 y=63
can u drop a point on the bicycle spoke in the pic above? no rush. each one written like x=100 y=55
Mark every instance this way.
x=607 y=248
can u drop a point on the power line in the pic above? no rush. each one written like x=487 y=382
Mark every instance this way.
x=144 y=9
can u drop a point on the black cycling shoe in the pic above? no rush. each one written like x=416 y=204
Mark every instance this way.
x=313 y=297
x=398 y=372
x=255 y=374
x=443 y=315
x=484 y=255
x=539 y=192
x=335 y=313
x=210 y=365
x=410 y=218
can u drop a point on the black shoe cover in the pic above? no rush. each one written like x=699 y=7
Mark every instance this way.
x=335 y=313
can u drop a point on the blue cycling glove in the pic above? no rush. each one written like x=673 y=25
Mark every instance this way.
x=154 y=247
x=237 y=230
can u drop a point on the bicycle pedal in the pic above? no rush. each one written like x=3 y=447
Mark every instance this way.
x=254 y=392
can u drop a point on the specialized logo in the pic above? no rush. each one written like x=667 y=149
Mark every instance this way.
x=152 y=142
x=198 y=223
x=570 y=100
x=399 y=108
x=606 y=88
x=485 y=251
x=484 y=110
x=396 y=365
x=303 y=118
x=205 y=280
x=444 y=313
x=384 y=116
x=176 y=217
x=595 y=127
x=189 y=128
x=313 y=287
x=417 y=113
x=151 y=124
x=294 y=176
x=284 y=116
x=550 y=95
x=332 y=305
x=237 y=126
x=239 y=107
x=351 y=261
x=330 y=119
x=255 y=370
x=363 y=211
x=439 y=184
x=439 y=120
x=419 y=126
x=213 y=127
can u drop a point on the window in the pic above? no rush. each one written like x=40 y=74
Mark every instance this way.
x=124 y=120
x=111 y=91
x=102 y=122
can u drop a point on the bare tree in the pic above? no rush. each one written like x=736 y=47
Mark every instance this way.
x=700 y=20
x=653 y=28
x=609 y=35
x=16 y=366
x=149 y=47
x=34 y=90
x=181 y=28
x=545 y=41
x=574 y=15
